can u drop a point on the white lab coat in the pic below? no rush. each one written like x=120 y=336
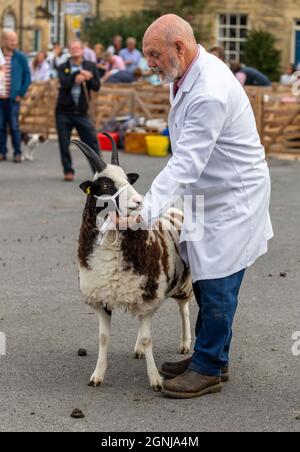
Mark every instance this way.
x=216 y=153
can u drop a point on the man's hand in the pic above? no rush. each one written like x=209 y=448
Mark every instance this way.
x=79 y=79
x=87 y=75
x=124 y=223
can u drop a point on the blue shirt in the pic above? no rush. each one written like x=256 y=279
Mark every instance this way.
x=76 y=90
x=134 y=56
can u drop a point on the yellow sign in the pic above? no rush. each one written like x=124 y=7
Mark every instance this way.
x=76 y=22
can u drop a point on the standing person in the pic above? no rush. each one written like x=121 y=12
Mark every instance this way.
x=88 y=53
x=77 y=78
x=39 y=68
x=2 y=74
x=56 y=59
x=116 y=46
x=101 y=63
x=249 y=76
x=218 y=51
x=217 y=153
x=131 y=55
x=289 y=77
x=17 y=81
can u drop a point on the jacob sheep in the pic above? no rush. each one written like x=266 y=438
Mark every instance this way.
x=136 y=270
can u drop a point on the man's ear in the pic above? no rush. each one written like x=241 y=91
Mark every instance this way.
x=86 y=187
x=133 y=177
x=180 y=47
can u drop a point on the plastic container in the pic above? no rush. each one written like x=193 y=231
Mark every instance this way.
x=104 y=142
x=135 y=143
x=157 y=146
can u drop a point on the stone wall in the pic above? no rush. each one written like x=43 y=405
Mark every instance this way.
x=276 y=16
x=30 y=24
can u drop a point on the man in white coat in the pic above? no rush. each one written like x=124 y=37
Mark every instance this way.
x=217 y=153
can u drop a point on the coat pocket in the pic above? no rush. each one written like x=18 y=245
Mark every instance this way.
x=219 y=201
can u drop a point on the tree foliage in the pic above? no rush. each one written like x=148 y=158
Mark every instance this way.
x=136 y=23
x=261 y=53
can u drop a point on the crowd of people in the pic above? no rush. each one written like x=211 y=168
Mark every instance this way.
x=115 y=64
x=79 y=70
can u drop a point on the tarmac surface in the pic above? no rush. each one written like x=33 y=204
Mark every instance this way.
x=42 y=379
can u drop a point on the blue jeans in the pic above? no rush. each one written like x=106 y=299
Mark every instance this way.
x=65 y=123
x=217 y=300
x=9 y=116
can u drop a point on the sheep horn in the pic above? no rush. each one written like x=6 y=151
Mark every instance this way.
x=114 y=154
x=97 y=163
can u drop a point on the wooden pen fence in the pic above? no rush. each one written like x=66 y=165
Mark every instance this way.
x=276 y=110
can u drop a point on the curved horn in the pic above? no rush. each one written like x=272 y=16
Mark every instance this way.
x=97 y=163
x=114 y=154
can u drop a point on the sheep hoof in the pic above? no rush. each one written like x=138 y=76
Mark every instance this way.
x=157 y=388
x=156 y=383
x=94 y=384
x=183 y=350
x=139 y=355
x=95 y=381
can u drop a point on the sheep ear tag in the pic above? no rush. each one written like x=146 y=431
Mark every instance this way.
x=86 y=187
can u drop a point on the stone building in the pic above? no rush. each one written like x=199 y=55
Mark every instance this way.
x=229 y=20
x=41 y=22
x=225 y=22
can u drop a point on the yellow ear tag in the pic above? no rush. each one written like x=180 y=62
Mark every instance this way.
x=88 y=191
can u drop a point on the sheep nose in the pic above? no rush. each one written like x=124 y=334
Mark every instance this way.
x=137 y=199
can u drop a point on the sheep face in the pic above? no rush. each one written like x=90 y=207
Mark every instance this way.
x=114 y=191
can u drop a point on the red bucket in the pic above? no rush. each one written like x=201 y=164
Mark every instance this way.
x=104 y=142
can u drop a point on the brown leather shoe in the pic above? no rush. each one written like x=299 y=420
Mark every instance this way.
x=17 y=158
x=3 y=158
x=171 y=370
x=69 y=177
x=191 y=384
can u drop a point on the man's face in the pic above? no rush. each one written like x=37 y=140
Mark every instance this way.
x=118 y=42
x=57 y=48
x=76 y=50
x=10 y=42
x=162 y=59
x=130 y=44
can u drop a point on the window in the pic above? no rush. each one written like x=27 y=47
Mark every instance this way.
x=232 y=34
x=37 y=40
x=9 y=22
x=57 y=22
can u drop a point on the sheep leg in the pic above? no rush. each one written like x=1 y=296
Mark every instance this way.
x=104 y=336
x=139 y=351
x=146 y=342
x=185 y=336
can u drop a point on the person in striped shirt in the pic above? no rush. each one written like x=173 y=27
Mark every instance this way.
x=2 y=73
x=16 y=84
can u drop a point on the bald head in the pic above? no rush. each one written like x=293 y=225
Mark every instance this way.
x=9 y=41
x=169 y=46
x=171 y=27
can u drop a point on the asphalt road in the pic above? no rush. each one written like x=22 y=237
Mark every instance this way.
x=41 y=312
